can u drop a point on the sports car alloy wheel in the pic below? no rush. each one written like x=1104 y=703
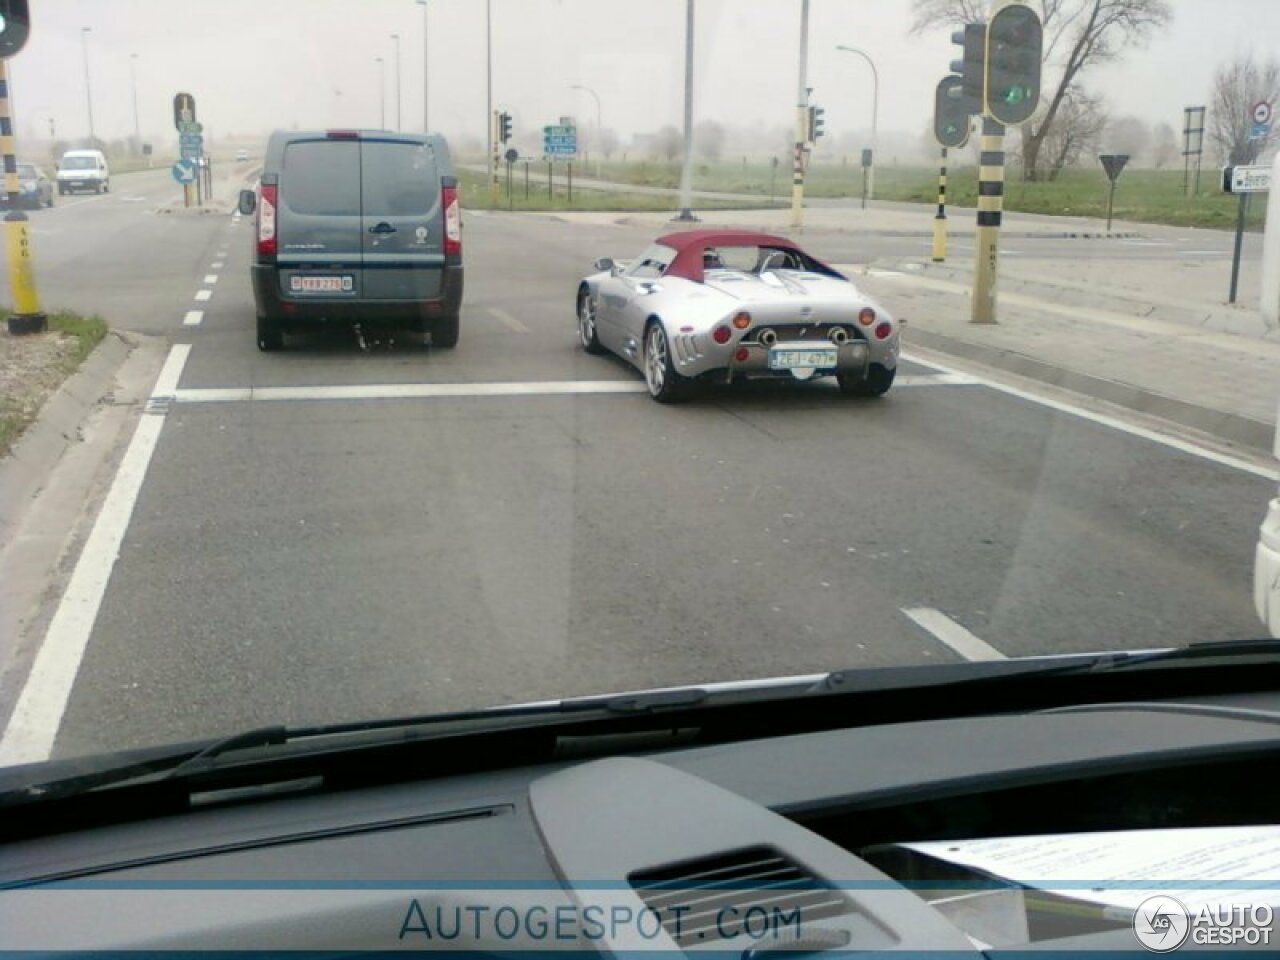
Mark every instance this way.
x=587 y=324
x=665 y=385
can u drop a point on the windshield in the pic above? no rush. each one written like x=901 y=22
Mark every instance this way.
x=27 y=172
x=519 y=357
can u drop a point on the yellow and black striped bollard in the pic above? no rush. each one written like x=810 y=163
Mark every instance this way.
x=940 y=218
x=27 y=316
x=990 y=203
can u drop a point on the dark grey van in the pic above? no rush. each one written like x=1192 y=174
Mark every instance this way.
x=356 y=226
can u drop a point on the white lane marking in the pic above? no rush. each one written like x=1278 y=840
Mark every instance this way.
x=952 y=634
x=204 y=294
x=33 y=727
x=1147 y=243
x=211 y=278
x=193 y=318
x=1184 y=446
x=216 y=265
x=1204 y=253
x=420 y=391
x=886 y=273
x=511 y=323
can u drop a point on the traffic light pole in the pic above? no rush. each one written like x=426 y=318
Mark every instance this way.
x=802 y=123
x=27 y=316
x=990 y=204
x=940 y=218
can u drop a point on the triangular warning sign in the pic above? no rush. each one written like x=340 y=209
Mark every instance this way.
x=1113 y=163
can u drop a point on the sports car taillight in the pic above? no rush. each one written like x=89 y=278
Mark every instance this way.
x=721 y=334
x=867 y=316
x=742 y=320
x=883 y=330
x=452 y=220
x=267 y=220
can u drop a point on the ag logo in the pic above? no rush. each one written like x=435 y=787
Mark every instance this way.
x=1161 y=923
x=421 y=235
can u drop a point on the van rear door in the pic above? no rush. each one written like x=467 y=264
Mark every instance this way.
x=402 y=220
x=318 y=233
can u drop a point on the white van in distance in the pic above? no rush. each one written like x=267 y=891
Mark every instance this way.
x=83 y=170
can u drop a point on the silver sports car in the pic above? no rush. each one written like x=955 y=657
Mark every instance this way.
x=728 y=305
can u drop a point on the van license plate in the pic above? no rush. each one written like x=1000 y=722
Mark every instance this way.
x=321 y=284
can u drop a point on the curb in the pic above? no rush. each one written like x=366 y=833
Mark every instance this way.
x=1225 y=426
x=57 y=426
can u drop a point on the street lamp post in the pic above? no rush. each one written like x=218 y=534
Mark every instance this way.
x=875 y=111
x=137 y=127
x=426 y=125
x=599 y=125
x=88 y=88
x=396 y=38
x=382 y=94
x=686 y=173
x=488 y=100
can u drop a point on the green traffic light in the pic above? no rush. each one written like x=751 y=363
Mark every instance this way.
x=1015 y=94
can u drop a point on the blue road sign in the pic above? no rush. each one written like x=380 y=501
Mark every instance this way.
x=184 y=172
x=1259 y=131
x=191 y=139
x=559 y=151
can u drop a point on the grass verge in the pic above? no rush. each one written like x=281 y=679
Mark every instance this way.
x=32 y=367
x=1142 y=196
x=475 y=196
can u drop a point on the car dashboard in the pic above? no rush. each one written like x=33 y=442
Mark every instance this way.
x=377 y=868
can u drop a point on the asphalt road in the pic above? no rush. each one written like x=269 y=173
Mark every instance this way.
x=324 y=558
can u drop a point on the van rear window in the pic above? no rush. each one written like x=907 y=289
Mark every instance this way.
x=322 y=178
x=400 y=179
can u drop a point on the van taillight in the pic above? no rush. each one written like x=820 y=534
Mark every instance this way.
x=267 y=220
x=452 y=220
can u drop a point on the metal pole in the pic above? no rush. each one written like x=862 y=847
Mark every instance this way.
x=1111 y=199
x=864 y=188
x=396 y=38
x=686 y=173
x=940 y=218
x=511 y=203
x=137 y=127
x=550 y=189
x=488 y=99
x=88 y=87
x=990 y=202
x=27 y=316
x=875 y=115
x=1235 y=254
x=571 y=181
x=426 y=99
x=526 y=179
x=382 y=95
x=802 y=107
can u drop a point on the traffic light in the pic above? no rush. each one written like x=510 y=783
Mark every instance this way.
x=950 y=112
x=1015 y=41
x=15 y=26
x=504 y=126
x=816 y=121
x=971 y=68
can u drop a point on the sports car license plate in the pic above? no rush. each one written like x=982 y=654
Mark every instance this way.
x=321 y=284
x=801 y=358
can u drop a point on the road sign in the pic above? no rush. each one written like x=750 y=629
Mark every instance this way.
x=560 y=140
x=512 y=155
x=1113 y=163
x=1255 y=179
x=190 y=139
x=184 y=110
x=1261 y=112
x=190 y=127
x=184 y=171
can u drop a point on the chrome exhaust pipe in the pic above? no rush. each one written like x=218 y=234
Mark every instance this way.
x=767 y=337
x=839 y=336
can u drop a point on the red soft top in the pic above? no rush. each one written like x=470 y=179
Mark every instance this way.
x=690 y=245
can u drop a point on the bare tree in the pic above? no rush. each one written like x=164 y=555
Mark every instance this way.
x=1238 y=84
x=669 y=142
x=608 y=142
x=708 y=139
x=1164 y=146
x=1081 y=122
x=1078 y=34
x=1128 y=135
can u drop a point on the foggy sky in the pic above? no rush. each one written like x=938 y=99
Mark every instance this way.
x=258 y=64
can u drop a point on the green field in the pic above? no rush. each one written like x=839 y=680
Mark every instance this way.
x=1146 y=196
x=475 y=196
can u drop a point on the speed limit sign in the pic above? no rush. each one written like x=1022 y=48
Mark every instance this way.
x=1262 y=112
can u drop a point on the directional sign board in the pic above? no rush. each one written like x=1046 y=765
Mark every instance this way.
x=561 y=140
x=1113 y=163
x=1255 y=179
x=190 y=127
x=184 y=171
